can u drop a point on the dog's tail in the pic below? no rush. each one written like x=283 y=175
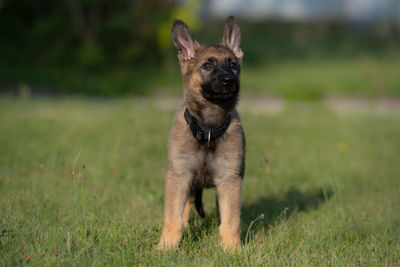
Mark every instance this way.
x=198 y=203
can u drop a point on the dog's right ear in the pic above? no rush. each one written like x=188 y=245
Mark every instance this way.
x=183 y=40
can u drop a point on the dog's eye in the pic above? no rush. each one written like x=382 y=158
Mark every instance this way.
x=232 y=65
x=207 y=66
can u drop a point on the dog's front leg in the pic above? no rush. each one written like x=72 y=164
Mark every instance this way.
x=228 y=193
x=176 y=194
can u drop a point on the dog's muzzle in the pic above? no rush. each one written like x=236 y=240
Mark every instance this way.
x=223 y=87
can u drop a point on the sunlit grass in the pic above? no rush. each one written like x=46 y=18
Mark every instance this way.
x=81 y=182
x=315 y=79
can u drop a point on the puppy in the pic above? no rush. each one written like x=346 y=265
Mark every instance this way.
x=206 y=147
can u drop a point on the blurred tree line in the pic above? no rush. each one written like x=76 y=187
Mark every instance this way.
x=91 y=34
x=122 y=47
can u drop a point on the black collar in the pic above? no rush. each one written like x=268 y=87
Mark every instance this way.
x=202 y=136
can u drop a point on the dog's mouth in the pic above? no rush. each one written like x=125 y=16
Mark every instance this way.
x=219 y=92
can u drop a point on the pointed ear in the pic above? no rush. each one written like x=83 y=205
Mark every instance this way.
x=231 y=38
x=183 y=40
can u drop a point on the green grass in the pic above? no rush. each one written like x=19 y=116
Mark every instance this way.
x=81 y=183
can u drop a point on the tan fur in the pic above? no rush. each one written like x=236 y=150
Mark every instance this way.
x=197 y=166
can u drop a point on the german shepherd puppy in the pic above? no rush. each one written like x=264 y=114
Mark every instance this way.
x=206 y=147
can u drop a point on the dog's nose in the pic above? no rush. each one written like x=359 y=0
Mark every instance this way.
x=227 y=78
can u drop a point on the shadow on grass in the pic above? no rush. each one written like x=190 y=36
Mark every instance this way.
x=273 y=208
x=277 y=208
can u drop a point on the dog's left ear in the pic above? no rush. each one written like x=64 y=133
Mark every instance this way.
x=231 y=38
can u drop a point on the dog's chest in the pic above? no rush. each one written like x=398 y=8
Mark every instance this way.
x=204 y=171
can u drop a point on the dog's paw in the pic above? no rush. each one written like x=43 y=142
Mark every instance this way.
x=167 y=246
x=170 y=238
x=232 y=245
x=230 y=241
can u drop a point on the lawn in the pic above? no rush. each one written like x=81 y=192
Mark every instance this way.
x=81 y=183
x=315 y=79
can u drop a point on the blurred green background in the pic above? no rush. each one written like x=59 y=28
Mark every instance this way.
x=123 y=47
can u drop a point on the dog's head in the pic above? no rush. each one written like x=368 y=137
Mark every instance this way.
x=210 y=72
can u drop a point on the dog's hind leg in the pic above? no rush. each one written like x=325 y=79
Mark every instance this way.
x=195 y=198
x=187 y=209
